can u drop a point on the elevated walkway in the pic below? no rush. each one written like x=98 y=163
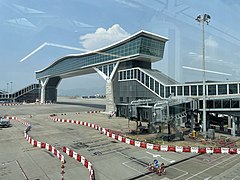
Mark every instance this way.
x=29 y=93
x=220 y=96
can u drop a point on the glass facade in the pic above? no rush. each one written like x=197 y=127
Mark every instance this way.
x=139 y=45
x=189 y=90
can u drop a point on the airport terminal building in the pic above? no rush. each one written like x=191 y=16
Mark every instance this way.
x=135 y=90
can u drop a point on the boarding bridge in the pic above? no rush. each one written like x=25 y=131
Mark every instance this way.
x=29 y=93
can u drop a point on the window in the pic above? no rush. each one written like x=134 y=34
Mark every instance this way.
x=193 y=90
x=151 y=84
x=161 y=90
x=135 y=73
x=156 y=87
x=173 y=90
x=120 y=75
x=211 y=89
x=200 y=90
x=121 y=99
x=142 y=76
x=186 y=90
x=179 y=90
x=147 y=80
x=167 y=91
x=128 y=74
x=233 y=89
x=222 y=89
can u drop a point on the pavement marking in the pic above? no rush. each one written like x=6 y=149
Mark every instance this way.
x=207 y=178
x=135 y=161
x=158 y=155
x=235 y=177
x=154 y=155
x=210 y=168
x=21 y=169
x=185 y=173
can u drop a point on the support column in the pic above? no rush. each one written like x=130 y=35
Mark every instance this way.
x=110 y=105
x=238 y=127
x=43 y=89
x=229 y=121
x=192 y=121
x=234 y=126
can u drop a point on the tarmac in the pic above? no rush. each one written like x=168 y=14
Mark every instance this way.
x=111 y=159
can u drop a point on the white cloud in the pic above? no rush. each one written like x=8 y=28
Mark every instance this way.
x=211 y=42
x=103 y=37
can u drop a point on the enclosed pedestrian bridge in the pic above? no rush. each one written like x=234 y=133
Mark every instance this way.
x=138 y=50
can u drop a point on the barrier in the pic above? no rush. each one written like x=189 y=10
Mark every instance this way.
x=39 y=144
x=164 y=148
x=81 y=159
x=10 y=104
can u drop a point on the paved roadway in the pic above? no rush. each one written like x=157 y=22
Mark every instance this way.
x=111 y=159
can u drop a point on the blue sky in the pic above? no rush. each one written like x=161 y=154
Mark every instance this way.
x=90 y=24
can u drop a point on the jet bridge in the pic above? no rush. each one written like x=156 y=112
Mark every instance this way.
x=172 y=112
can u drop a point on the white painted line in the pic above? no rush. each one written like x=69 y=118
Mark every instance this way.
x=158 y=155
x=210 y=168
x=136 y=170
x=185 y=173
x=135 y=161
x=207 y=178
x=235 y=177
x=154 y=155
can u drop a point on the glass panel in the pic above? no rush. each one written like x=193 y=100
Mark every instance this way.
x=156 y=87
x=161 y=90
x=124 y=75
x=222 y=89
x=147 y=80
x=211 y=89
x=179 y=90
x=135 y=73
x=139 y=75
x=120 y=75
x=128 y=74
x=193 y=90
x=226 y=103
x=143 y=79
x=209 y=103
x=173 y=90
x=151 y=84
x=218 y=103
x=200 y=90
x=186 y=90
x=167 y=91
x=235 y=104
x=131 y=77
x=232 y=88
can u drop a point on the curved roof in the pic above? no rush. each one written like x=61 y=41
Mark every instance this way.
x=103 y=50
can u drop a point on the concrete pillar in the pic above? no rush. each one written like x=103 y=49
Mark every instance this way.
x=238 y=126
x=234 y=126
x=192 y=121
x=43 y=89
x=110 y=105
x=229 y=121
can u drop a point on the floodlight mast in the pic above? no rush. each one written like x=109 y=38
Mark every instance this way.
x=205 y=18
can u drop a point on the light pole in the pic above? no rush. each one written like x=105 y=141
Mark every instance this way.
x=205 y=18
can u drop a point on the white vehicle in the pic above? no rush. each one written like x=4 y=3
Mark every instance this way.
x=4 y=122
